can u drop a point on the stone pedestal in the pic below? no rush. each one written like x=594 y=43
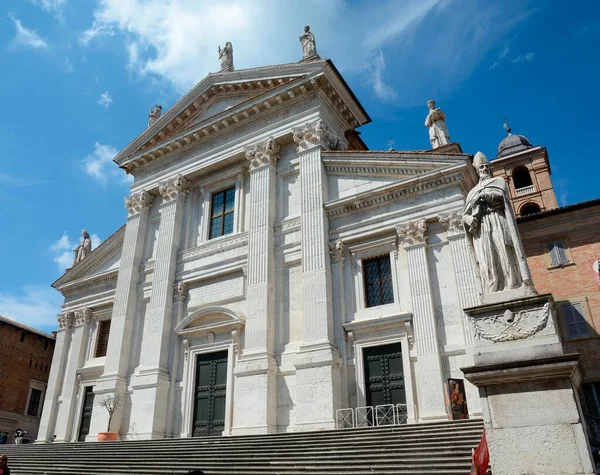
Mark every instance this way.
x=528 y=389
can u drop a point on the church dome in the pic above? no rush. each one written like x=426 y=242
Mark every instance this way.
x=513 y=144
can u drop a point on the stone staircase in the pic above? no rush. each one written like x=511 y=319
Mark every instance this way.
x=434 y=448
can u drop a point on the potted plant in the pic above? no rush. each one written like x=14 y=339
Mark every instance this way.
x=110 y=402
x=3 y=436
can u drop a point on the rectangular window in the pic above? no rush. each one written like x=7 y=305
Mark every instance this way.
x=591 y=394
x=34 y=402
x=558 y=253
x=575 y=322
x=377 y=275
x=103 y=333
x=221 y=217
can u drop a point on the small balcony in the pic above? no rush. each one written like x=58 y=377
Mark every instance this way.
x=525 y=190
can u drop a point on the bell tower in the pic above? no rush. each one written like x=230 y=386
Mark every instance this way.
x=526 y=170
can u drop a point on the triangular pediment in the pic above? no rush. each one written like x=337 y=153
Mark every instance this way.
x=227 y=99
x=102 y=261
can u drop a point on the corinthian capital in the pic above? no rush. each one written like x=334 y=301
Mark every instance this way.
x=83 y=315
x=336 y=251
x=175 y=188
x=413 y=232
x=317 y=133
x=452 y=222
x=65 y=320
x=140 y=202
x=263 y=153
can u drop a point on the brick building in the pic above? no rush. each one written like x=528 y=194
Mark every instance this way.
x=563 y=251
x=25 y=358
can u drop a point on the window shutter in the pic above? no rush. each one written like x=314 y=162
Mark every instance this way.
x=575 y=321
x=553 y=253
x=561 y=252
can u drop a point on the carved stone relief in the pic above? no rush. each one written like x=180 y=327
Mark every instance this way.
x=140 y=202
x=413 y=232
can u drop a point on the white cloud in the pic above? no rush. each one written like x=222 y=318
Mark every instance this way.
x=26 y=37
x=524 y=58
x=52 y=6
x=494 y=65
x=66 y=66
x=33 y=305
x=434 y=44
x=105 y=100
x=99 y=165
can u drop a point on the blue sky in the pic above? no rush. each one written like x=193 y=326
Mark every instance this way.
x=78 y=78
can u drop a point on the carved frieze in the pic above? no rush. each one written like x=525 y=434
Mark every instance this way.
x=140 y=202
x=510 y=326
x=336 y=251
x=413 y=232
x=175 y=188
x=263 y=153
x=317 y=133
x=452 y=222
x=65 y=320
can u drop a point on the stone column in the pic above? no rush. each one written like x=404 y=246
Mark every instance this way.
x=318 y=373
x=337 y=252
x=468 y=293
x=151 y=378
x=413 y=237
x=255 y=373
x=180 y=292
x=124 y=311
x=56 y=377
x=75 y=360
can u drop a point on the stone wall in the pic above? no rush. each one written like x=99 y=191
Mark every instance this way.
x=574 y=282
x=25 y=356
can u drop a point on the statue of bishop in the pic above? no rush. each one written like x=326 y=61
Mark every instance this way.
x=492 y=233
x=436 y=123
x=154 y=114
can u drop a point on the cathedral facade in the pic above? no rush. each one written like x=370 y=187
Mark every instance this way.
x=271 y=271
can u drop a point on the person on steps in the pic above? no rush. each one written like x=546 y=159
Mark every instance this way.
x=4 y=470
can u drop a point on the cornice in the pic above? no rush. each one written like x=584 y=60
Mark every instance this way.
x=288 y=225
x=456 y=174
x=376 y=166
x=214 y=246
x=89 y=282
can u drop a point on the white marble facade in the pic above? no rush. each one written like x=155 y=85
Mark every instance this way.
x=283 y=294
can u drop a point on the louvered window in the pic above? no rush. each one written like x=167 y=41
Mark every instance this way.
x=222 y=208
x=575 y=322
x=103 y=334
x=558 y=253
x=378 y=281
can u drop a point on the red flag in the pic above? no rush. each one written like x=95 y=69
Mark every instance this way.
x=481 y=457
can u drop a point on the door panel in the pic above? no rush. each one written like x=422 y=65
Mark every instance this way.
x=86 y=413
x=384 y=375
x=210 y=393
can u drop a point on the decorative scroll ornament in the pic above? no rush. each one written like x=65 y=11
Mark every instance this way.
x=180 y=291
x=83 y=315
x=175 y=188
x=452 y=222
x=317 y=133
x=65 y=320
x=140 y=202
x=336 y=251
x=263 y=153
x=413 y=232
x=512 y=326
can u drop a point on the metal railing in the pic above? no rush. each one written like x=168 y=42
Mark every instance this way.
x=524 y=191
x=374 y=416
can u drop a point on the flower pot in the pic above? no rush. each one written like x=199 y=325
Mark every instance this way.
x=107 y=436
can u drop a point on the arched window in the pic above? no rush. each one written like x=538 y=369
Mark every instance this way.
x=530 y=208
x=521 y=177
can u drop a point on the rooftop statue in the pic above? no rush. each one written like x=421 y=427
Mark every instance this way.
x=309 y=44
x=436 y=123
x=84 y=248
x=226 y=57
x=154 y=114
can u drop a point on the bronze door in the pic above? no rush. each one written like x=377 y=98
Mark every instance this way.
x=210 y=392
x=384 y=375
